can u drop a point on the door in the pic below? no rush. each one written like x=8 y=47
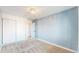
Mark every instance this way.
x=0 y=32
x=20 y=30
x=8 y=31
x=33 y=30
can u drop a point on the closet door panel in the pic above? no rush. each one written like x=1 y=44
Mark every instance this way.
x=0 y=31
x=27 y=30
x=20 y=30
x=33 y=30
x=8 y=31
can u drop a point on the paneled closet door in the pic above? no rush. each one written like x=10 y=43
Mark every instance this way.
x=33 y=34
x=0 y=32
x=20 y=30
x=8 y=31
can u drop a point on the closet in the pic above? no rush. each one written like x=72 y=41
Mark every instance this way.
x=33 y=31
x=22 y=29
x=0 y=31
x=13 y=30
x=9 y=31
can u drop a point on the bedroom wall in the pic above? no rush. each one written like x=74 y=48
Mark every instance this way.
x=60 y=28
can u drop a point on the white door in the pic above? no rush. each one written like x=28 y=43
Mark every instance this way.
x=8 y=31
x=33 y=30
x=0 y=31
x=20 y=30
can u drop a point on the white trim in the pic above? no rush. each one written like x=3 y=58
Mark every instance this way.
x=57 y=45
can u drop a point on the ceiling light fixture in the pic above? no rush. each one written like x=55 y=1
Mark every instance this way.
x=32 y=10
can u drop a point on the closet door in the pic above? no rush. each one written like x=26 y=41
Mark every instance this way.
x=27 y=30
x=20 y=30
x=8 y=31
x=0 y=31
x=33 y=34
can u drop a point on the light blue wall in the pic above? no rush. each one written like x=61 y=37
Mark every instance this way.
x=60 y=28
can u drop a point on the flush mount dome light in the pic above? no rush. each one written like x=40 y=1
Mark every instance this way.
x=32 y=10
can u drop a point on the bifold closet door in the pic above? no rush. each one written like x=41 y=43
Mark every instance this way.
x=8 y=31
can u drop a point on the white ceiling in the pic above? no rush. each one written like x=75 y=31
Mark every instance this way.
x=21 y=11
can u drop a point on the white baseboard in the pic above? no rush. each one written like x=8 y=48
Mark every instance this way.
x=57 y=45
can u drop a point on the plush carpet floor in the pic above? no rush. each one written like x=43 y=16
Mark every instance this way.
x=32 y=46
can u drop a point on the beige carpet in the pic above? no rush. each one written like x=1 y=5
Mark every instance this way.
x=32 y=46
